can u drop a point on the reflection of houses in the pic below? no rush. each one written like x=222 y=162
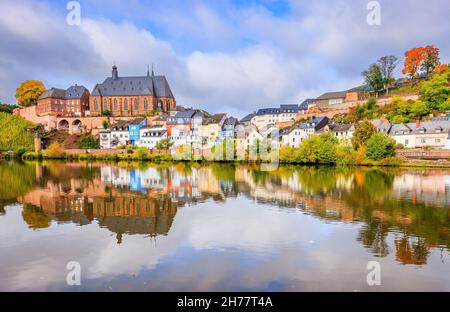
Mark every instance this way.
x=425 y=187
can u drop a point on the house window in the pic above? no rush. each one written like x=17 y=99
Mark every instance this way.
x=406 y=142
x=438 y=140
x=125 y=104
x=424 y=141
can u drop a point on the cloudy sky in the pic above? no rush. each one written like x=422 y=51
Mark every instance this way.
x=221 y=55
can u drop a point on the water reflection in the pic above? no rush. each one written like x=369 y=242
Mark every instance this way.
x=144 y=199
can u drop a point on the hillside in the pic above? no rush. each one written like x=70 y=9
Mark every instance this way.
x=14 y=134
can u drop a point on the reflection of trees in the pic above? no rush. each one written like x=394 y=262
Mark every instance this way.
x=35 y=217
x=16 y=179
x=373 y=236
x=408 y=252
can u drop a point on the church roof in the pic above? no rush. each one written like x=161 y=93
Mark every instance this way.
x=150 y=85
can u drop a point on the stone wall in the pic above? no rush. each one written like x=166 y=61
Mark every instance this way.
x=424 y=154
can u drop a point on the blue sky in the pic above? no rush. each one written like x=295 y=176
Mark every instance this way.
x=222 y=55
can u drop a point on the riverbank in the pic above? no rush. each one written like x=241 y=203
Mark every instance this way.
x=165 y=157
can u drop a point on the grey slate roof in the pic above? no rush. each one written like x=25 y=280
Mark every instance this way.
x=291 y=108
x=75 y=92
x=213 y=119
x=230 y=121
x=342 y=127
x=316 y=123
x=53 y=93
x=137 y=121
x=332 y=95
x=430 y=127
x=247 y=118
x=134 y=86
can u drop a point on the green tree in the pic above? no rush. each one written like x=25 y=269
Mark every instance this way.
x=363 y=133
x=28 y=92
x=380 y=146
x=374 y=78
x=419 y=109
x=164 y=144
x=7 y=108
x=387 y=66
x=105 y=124
x=88 y=142
x=436 y=91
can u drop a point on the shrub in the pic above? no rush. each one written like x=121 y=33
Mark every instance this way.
x=380 y=146
x=391 y=161
x=55 y=150
x=142 y=153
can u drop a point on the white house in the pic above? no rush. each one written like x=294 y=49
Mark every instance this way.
x=293 y=137
x=151 y=135
x=116 y=135
x=344 y=132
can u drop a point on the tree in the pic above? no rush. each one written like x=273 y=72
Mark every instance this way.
x=387 y=66
x=164 y=144
x=380 y=146
x=88 y=142
x=105 y=124
x=28 y=92
x=430 y=59
x=419 y=109
x=425 y=59
x=374 y=78
x=318 y=149
x=363 y=133
x=436 y=91
x=413 y=61
x=441 y=68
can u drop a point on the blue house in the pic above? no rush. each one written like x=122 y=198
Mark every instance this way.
x=135 y=127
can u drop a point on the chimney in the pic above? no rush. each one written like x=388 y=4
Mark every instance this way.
x=417 y=124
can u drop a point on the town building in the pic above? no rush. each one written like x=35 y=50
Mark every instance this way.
x=151 y=135
x=382 y=125
x=344 y=132
x=314 y=126
x=433 y=134
x=331 y=99
x=131 y=96
x=117 y=135
x=228 y=128
x=72 y=102
x=293 y=136
x=210 y=129
x=134 y=128
x=266 y=116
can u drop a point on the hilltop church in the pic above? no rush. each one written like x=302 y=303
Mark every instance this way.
x=131 y=96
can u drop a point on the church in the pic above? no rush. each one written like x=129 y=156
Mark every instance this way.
x=131 y=96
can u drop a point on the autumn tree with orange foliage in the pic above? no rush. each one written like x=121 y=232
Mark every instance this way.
x=441 y=68
x=424 y=59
